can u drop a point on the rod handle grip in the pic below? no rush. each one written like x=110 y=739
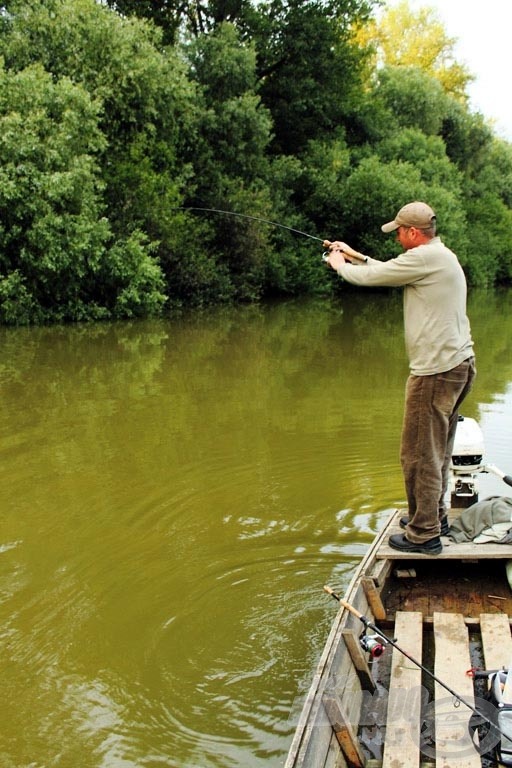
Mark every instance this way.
x=330 y=591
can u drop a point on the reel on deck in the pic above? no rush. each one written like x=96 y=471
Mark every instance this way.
x=372 y=644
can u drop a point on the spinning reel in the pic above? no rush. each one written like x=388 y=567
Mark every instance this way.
x=372 y=644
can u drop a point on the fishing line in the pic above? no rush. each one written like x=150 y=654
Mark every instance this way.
x=253 y=218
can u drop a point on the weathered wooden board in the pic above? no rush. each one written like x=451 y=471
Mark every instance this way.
x=496 y=640
x=401 y=749
x=453 y=745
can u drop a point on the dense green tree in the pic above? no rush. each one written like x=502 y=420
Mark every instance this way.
x=166 y=14
x=485 y=164
x=233 y=123
x=376 y=189
x=192 y=17
x=495 y=171
x=426 y=152
x=229 y=157
x=308 y=63
x=58 y=259
x=145 y=108
x=490 y=248
x=294 y=265
x=309 y=66
x=467 y=136
x=487 y=193
x=413 y=98
x=147 y=101
x=115 y=120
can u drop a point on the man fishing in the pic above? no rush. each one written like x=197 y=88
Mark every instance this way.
x=442 y=365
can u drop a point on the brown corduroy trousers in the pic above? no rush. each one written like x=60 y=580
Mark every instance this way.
x=428 y=433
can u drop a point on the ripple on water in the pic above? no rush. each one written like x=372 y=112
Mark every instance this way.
x=178 y=510
x=235 y=636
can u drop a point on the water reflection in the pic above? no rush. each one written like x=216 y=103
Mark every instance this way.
x=174 y=496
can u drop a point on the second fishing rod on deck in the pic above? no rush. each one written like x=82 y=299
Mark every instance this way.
x=375 y=644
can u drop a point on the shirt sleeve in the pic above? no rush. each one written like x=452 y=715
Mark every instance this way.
x=405 y=269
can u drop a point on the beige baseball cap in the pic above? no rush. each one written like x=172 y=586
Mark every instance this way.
x=415 y=214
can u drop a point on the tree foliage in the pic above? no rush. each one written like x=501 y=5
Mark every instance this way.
x=194 y=18
x=139 y=101
x=402 y=37
x=413 y=99
x=120 y=119
x=309 y=67
x=55 y=245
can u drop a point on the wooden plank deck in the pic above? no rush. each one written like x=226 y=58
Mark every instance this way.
x=430 y=604
x=451 y=550
x=425 y=724
x=469 y=588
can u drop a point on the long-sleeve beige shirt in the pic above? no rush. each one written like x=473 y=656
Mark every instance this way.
x=437 y=330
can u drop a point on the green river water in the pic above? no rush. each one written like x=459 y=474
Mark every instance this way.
x=174 y=495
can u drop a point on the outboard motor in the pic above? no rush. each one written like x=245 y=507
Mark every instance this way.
x=467 y=456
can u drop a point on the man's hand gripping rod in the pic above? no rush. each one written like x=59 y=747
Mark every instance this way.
x=347 y=255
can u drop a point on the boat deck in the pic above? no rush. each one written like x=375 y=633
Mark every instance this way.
x=424 y=723
x=443 y=586
x=451 y=550
x=452 y=613
x=428 y=583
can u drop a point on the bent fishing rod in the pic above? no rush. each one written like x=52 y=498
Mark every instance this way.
x=253 y=218
x=373 y=649
x=325 y=243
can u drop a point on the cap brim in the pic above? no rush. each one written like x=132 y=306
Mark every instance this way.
x=390 y=226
